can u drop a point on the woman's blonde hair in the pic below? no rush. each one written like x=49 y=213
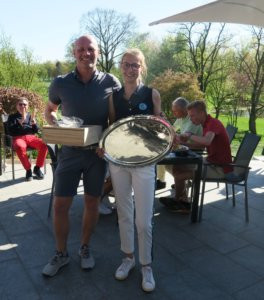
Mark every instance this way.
x=139 y=54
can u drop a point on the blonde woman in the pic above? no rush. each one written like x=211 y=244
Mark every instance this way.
x=134 y=98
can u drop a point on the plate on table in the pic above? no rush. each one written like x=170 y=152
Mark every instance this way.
x=137 y=141
x=181 y=150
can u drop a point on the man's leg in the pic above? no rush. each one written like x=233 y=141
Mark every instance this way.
x=180 y=178
x=61 y=230
x=61 y=221
x=182 y=205
x=90 y=217
x=20 y=146
x=37 y=143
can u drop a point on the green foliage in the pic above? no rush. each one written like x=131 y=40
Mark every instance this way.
x=14 y=70
x=242 y=125
x=172 y=85
x=9 y=97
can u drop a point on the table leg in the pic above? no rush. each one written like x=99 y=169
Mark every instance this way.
x=196 y=192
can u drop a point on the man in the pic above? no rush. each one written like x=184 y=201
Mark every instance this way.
x=22 y=127
x=216 y=141
x=182 y=124
x=82 y=93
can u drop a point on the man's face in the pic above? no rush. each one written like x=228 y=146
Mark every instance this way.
x=86 y=52
x=178 y=112
x=196 y=116
x=22 y=106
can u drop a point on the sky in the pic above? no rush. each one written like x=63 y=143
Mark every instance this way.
x=46 y=27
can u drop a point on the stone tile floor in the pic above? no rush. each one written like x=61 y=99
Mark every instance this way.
x=220 y=258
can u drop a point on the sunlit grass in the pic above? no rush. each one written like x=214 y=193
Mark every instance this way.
x=242 y=125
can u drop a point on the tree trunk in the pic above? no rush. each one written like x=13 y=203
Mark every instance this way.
x=252 y=118
x=217 y=112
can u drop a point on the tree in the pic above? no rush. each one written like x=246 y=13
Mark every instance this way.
x=172 y=85
x=112 y=30
x=202 y=52
x=14 y=70
x=252 y=64
x=10 y=95
x=220 y=89
x=150 y=49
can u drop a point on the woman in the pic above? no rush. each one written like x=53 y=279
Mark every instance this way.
x=132 y=99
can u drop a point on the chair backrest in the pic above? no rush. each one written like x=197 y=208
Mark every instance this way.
x=53 y=152
x=231 y=132
x=245 y=152
x=7 y=138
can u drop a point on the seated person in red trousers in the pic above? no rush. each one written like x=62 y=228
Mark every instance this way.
x=22 y=126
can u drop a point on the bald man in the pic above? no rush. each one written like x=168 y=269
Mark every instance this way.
x=83 y=93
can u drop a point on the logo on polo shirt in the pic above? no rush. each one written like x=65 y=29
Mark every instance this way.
x=142 y=106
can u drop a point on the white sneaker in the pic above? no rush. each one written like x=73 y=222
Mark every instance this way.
x=124 y=269
x=104 y=209
x=148 y=282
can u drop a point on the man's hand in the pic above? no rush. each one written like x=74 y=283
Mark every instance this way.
x=184 y=138
x=33 y=117
x=176 y=141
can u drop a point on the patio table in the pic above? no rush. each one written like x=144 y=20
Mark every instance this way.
x=191 y=158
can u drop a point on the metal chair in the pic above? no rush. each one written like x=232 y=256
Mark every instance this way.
x=240 y=172
x=231 y=132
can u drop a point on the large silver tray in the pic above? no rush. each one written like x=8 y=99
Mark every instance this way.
x=137 y=141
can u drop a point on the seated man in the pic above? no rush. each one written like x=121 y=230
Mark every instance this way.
x=22 y=127
x=182 y=124
x=216 y=141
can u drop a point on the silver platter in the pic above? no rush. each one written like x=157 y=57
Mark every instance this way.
x=137 y=141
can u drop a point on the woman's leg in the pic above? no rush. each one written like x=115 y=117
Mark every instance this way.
x=143 y=182
x=122 y=184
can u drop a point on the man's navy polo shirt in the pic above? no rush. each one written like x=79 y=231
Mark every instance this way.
x=88 y=101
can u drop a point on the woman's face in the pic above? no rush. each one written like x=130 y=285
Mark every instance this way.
x=131 y=68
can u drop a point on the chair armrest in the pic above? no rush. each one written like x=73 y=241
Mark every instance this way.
x=226 y=165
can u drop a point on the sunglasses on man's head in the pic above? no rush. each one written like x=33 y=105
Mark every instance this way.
x=22 y=104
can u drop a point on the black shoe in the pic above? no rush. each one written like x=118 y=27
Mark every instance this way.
x=160 y=184
x=181 y=207
x=166 y=201
x=38 y=172
x=29 y=175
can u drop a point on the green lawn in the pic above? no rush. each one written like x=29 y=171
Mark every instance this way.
x=242 y=125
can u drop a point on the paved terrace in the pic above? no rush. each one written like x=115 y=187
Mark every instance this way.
x=220 y=258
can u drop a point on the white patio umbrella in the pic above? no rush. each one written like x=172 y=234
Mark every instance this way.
x=250 y=12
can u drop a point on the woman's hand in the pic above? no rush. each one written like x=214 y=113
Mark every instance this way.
x=100 y=152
